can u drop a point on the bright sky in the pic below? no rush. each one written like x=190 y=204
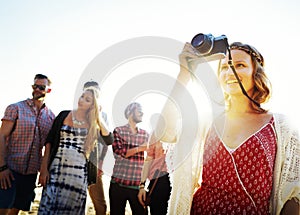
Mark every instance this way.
x=60 y=38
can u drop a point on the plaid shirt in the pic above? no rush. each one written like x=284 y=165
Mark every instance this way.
x=127 y=171
x=24 y=145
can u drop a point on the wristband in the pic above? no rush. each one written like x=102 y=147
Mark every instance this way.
x=142 y=184
x=2 y=168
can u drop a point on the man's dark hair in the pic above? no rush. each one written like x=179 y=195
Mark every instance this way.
x=130 y=108
x=91 y=84
x=41 y=76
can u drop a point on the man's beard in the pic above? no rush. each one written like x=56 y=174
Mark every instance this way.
x=37 y=97
x=136 y=119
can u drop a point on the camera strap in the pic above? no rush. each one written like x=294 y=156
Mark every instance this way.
x=230 y=62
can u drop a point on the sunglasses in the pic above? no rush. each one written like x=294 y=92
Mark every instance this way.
x=40 y=87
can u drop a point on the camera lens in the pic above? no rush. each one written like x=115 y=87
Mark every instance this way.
x=203 y=43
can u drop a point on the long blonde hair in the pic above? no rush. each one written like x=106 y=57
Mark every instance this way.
x=93 y=121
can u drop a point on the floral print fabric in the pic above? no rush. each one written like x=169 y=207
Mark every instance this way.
x=237 y=181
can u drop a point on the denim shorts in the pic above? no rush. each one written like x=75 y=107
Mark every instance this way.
x=21 y=193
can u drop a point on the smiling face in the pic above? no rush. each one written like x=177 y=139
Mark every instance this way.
x=40 y=89
x=137 y=115
x=243 y=65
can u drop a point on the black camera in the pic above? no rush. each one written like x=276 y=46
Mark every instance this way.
x=210 y=47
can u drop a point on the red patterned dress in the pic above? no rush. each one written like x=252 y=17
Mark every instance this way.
x=237 y=181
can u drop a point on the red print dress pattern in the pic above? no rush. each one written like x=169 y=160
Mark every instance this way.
x=237 y=181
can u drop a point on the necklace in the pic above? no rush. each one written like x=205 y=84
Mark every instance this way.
x=75 y=121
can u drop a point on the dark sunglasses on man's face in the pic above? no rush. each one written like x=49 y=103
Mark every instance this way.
x=41 y=87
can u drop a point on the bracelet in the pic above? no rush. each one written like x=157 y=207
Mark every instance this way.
x=2 y=168
x=142 y=184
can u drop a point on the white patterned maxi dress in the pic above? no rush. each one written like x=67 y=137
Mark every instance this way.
x=66 y=191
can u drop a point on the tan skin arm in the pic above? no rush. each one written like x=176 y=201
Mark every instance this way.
x=132 y=151
x=5 y=176
x=103 y=126
x=145 y=173
x=168 y=133
x=44 y=172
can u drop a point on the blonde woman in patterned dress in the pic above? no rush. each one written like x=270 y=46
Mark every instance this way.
x=249 y=160
x=69 y=143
